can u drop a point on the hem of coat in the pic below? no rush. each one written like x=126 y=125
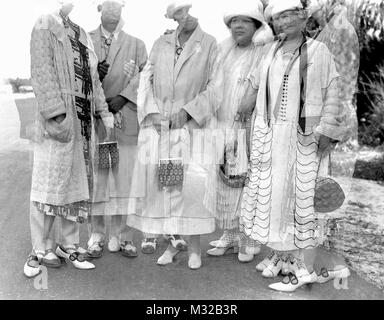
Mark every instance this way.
x=173 y=225
x=53 y=200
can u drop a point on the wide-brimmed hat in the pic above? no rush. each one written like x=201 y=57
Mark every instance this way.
x=176 y=5
x=254 y=12
x=278 y=6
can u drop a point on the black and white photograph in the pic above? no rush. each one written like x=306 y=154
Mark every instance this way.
x=202 y=150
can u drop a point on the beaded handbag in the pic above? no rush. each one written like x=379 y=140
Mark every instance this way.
x=171 y=172
x=108 y=155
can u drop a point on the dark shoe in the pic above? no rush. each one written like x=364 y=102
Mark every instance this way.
x=178 y=242
x=128 y=249
x=149 y=245
x=51 y=260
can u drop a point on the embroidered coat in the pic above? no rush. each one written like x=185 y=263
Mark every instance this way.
x=59 y=173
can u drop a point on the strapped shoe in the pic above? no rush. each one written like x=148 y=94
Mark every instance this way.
x=78 y=260
x=267 y=260
x=327 y=275
x=149 y=245
x=286 y=267
x=290 y=283
x=50 y=260
x=32 y=266
x=95 y=250
x=128 y=249
x=273 y=268
x=178 y=242
x=299 y=269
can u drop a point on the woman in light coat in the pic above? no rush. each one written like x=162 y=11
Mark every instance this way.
x=69 y=97
x=177 y=94
x=239 y=54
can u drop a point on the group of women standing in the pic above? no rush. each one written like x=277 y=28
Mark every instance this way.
x=232 y=136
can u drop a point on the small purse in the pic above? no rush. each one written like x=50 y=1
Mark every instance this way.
x=329 y=196
x=171 y=172
x=108 y=155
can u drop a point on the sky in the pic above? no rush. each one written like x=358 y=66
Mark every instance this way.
x=144 y=19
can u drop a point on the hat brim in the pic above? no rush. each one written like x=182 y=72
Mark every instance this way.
x=170 y=16
x=228 y=18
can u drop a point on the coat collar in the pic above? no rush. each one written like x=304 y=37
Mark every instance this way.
x=192 y=46
x=56 y=26
x=115 y=46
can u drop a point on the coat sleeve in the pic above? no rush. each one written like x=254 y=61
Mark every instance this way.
x=331 y=122
x=44 y=76
x=101 y=106
x=208 y=102
x=130 y=92
x=146 y=103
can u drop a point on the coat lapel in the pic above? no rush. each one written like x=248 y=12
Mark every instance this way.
x=96 y=39
x=115 y=48
x=170 y=52
x=192 y=47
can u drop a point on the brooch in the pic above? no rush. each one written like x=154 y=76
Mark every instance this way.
x=108 y=41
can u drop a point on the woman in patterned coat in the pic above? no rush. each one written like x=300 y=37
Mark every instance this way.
x=69 y=95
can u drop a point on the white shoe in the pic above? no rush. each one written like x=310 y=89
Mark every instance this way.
x=81 y=250
x=194 y=261
x=247 y=254
x=327 y=275
x=299 y=269
x=267 y=260
x=114 y=245
x=32 y=267
x=273 y=269
x=290 y=283
x=167 y=257
x=220 y=251
x=224 y=241
x=77 y=259
x=214 y=243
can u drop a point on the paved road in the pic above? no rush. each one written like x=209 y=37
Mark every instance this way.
x=116 y=277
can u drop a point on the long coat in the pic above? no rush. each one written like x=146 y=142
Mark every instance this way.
x=59 y=173
x=166 y=86
x=117 y=82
